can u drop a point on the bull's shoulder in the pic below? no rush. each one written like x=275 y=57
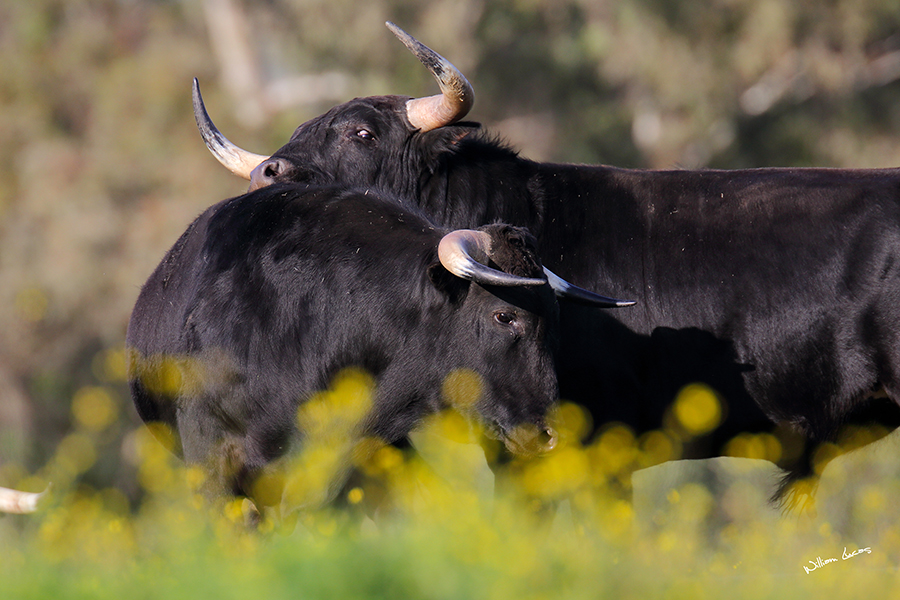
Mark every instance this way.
x=171 y=286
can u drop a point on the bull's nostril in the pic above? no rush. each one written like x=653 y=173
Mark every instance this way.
x=273 y=170
x=267 y=172
x=549 y=439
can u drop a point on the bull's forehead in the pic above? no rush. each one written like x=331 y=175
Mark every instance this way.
x=514 y=250
x=539 y=300
x=384 y=111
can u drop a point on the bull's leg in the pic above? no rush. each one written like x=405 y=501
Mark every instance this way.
x=884 y=395
x=208 y=445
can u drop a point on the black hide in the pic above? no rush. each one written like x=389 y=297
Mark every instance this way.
x=266 y=297
x=779 y=287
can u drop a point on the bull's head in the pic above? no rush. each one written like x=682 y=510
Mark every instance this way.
x=510 y=315
x=518 y=301
x=422 y=114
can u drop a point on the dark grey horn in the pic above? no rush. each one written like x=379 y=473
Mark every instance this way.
x=235 y=159
x=566 y=290
x=456 y=97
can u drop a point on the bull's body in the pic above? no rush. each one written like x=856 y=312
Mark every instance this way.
x=778 y=287
x=775 y=285
x=266 y=297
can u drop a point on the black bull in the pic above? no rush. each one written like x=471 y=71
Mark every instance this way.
x=778 y=287
x=268 y=296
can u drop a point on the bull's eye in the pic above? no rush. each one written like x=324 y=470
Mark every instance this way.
x=505 y=318
x=365 y=134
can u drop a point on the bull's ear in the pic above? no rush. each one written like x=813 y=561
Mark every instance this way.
x=447 y=283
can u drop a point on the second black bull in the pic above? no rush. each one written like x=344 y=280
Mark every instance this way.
x=778 y=287
x=268 y=296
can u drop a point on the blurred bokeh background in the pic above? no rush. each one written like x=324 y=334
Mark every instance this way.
x=101 y=167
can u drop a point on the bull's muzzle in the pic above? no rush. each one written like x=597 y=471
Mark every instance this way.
x=548 y=439
x=267 y=172
x=530 y=440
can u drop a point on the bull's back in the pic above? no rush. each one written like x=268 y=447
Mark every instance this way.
x=282 y=286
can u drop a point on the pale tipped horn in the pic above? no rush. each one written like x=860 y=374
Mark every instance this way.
x=16 y=502
x=235 y=159
x=465 y=253
x=456 y=97
x=566 y=290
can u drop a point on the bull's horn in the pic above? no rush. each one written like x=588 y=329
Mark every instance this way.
x=456 y=97
x=14 y=501
x=566 y=290
x=465 y=253
x=235 y=159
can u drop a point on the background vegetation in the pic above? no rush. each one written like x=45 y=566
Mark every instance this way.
x=101 y=167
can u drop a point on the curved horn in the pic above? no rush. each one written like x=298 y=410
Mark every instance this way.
x=456 y=97
x=235 y=159
x=14 y=501
x=465 y=252
x=566 y=290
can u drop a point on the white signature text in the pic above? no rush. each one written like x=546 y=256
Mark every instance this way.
x=820 y=562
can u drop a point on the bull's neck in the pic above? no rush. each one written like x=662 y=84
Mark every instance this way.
x=585 y=220
x=556 y=202
x=469 y=192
